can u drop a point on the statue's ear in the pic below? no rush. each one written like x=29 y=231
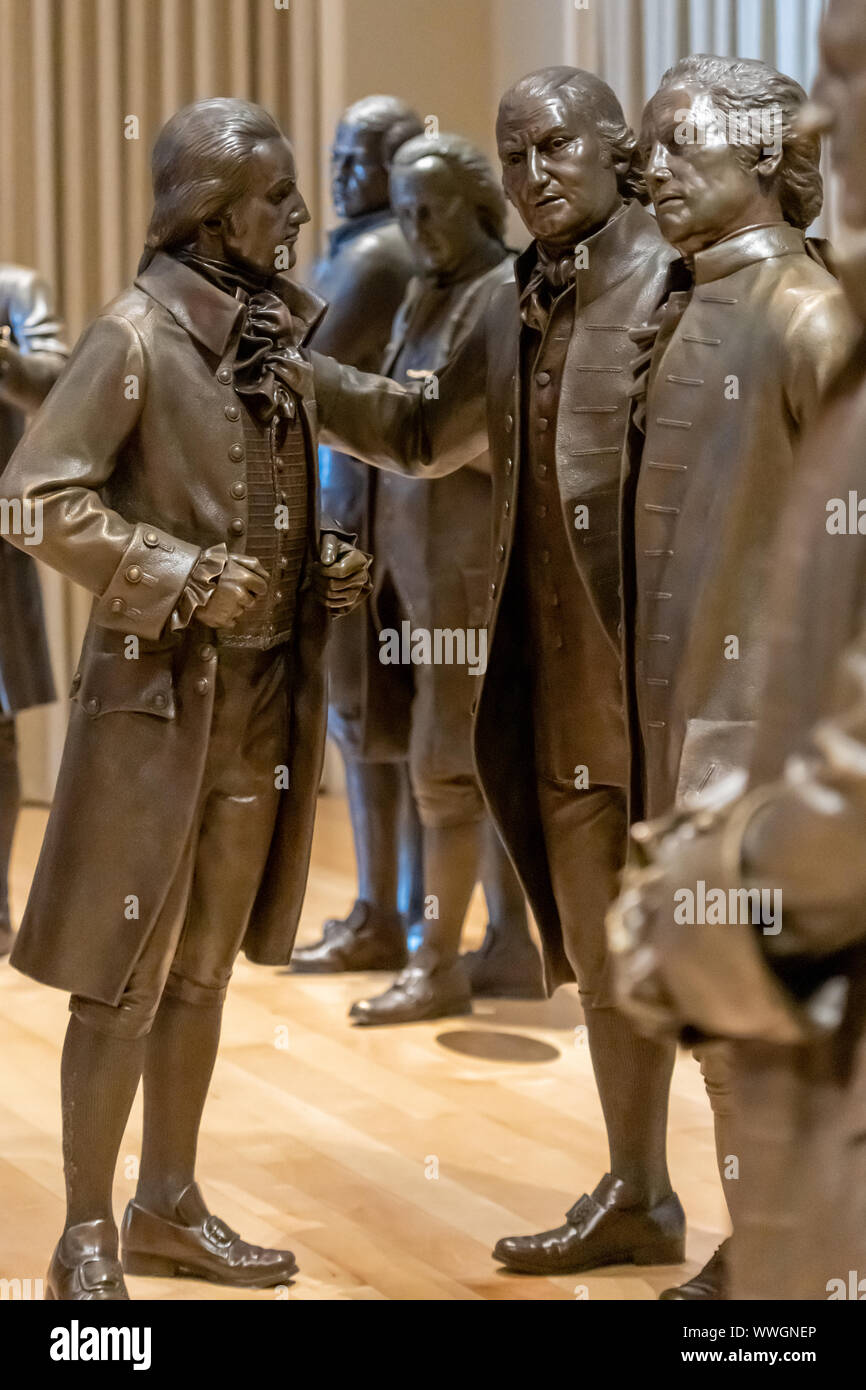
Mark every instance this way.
x=768 y=165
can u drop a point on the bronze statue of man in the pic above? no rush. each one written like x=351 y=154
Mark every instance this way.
x=32 y=355
x=544 y=378
x=431 y=543
x=784 y=979
x=732 y=373
x=174 y=475
x=363 y=276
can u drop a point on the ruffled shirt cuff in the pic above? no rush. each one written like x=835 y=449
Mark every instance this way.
x=200 y=585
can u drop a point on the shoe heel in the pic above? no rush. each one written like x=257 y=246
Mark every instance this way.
x=157 y=1266
x=663 y=1252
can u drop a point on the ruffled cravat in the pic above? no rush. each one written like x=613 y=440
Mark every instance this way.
x=551 y=275
x=266 y=359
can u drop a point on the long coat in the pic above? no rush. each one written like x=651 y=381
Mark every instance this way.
x=480 y=397
x=799 y=830
x=134 y=460
x=27 y=309
x=736 y=373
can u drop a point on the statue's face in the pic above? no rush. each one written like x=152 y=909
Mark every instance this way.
x=269 y=214
x=700 y=188
x=840 y=95
x=359 y=179
x=555 y=169
x=438 y=222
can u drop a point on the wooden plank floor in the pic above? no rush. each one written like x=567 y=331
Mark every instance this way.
x=389 y=1160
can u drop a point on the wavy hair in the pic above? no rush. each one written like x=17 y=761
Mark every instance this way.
x=740 y=86
x=199 y=166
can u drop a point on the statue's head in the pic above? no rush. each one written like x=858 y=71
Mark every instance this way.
x=838 y=106
x=568 y=155
x=447 y=199
x=368 y=136
x=225 y=183
x=724 y=151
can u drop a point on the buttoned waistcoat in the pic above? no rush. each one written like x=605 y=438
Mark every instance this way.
x=620 y=283
x=137 y=463
x=734 y=378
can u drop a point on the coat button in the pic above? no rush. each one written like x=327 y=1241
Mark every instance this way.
x=232 y=412
x=236 y=453
x=509 y=423
x=500 y=552
x=543 y=379
x=509 y=464
x=492 y=590
x=507 y=506
x=133 y=574
x=159 y=701
x=280 y=464
x=76 y=680
x=207 y=652
x=151 y=538
x=239 y=489
x=93 y=706
x=202 y=685
x=543 y=424
x=224 y=375
x=238 y=526
x=117 y=605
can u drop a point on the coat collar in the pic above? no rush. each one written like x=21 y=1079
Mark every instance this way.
x=746 y=247
x=613 y=253
x=209 y=315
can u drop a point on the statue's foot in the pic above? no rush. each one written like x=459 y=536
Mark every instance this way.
x=203 y=1248
x=7 y=936
x=598 y=1232
x=710 y=1283
x=368 y=939
x=504 y=968
x=84 y=1267
x=418 y=993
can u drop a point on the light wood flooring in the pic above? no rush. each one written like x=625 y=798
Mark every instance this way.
x=389 y=1160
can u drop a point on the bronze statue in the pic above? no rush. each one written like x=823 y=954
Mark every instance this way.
x=778 y=968
x=363 y=277
x=173 y=473
x=431 y=541
x=731 y=374
x=32 y=355
x=545 y=379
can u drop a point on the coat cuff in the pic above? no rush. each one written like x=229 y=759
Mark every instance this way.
x=147 y=584
x=201 y=584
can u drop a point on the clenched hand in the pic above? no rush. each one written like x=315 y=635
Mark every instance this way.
x=242 y=581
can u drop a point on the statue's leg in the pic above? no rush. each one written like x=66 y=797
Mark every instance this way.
x=507 y=965
x=632 y=1214
x=10 y=801
x=168 y=1229
x=103 y=1058
x=712 y=1282
x=373 y=935
x=451 y=808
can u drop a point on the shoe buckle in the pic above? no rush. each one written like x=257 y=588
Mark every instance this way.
x=584 y=1208
x=99 y=1274
x=218 y=1233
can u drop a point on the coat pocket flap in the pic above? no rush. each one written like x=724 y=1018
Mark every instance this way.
x=108 y=682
